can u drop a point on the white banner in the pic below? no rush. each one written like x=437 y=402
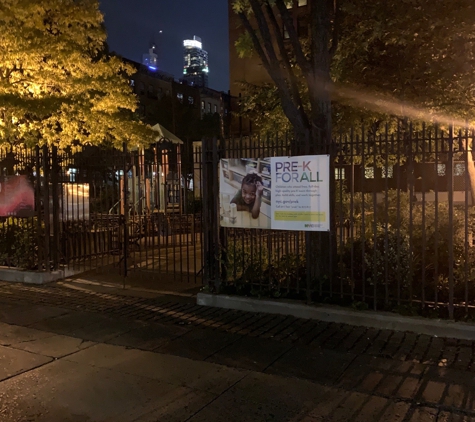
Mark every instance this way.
x=287 y=193
x=301 y=193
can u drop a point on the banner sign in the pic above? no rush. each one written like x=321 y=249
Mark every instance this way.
x=17 y=197
x=284 y=193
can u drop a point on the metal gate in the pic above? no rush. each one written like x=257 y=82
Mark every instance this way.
x=133 y=213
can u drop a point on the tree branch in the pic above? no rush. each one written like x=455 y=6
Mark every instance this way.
x=336 y=27
x=271 y=63
x=285 y=57
x=293 y=36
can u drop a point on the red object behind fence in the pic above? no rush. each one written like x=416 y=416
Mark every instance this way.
x=17 y=197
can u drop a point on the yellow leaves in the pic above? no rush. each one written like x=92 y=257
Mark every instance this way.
x=54 y=83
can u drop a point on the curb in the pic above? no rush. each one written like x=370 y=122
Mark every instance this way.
x=378 y=320
x=16 y=275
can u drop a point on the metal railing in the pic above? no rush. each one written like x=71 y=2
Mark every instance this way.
x=403 y=224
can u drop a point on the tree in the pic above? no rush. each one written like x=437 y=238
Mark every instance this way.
x=57 y=83
x=419 y=52
x=290 y=62
x=300 y=70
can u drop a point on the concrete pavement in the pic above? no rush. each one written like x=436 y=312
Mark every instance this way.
x=83 y=362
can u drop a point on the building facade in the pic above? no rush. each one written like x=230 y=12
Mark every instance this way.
x=195 y=69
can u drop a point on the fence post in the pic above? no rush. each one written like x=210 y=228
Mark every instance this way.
x=46 y=208
x=125 y=228
x=55 y=196
x=450 y=189
x=210 y=213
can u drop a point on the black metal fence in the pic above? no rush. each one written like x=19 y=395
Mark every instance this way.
x=98 y=207
x=402 y=226
x=401 y=238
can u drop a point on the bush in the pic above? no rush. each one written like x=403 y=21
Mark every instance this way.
x=381 y=265
x=255 y=271
x=19 y=243
x=415 y=248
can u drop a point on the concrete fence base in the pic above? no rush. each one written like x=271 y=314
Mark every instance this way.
x=17 y=275
x=372 y=319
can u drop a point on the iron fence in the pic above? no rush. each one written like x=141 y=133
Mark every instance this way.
x=98 y=207
x=402 y=213
x=402 y=231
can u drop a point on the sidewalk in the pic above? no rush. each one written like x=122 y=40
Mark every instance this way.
x=72 y=354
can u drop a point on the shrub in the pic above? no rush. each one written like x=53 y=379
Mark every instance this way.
x=19 y=243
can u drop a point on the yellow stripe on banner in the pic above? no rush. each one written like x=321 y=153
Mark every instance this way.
x=314 y=216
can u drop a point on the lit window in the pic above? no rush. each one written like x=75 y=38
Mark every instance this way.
x=340 y=174
x=289 y=4
x=132 y=82
x=387 y=172
x=215 y=108
x=179 y=96
x=459 y=169
x=302 y=3
x=369 y=172
x=191 y=100
x=440 y=169
x=202 y=105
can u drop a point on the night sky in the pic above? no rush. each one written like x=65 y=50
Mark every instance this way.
x=133 y=24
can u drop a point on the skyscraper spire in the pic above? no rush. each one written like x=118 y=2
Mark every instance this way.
x=195 y=70
x=151 y=59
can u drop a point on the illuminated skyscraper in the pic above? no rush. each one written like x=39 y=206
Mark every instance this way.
x=151 y=59
x=195 y=70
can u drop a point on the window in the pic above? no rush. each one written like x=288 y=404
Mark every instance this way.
x=459 y=169
x=132 y=82
x=290 y=4
x=215 y=108
x=180 y=97
x=369 y=173
x=387 y=172
x=441 y=169
x=191 y=100
x=209 y=107
x=302 y=3
x=339 y=174
x=202 y=105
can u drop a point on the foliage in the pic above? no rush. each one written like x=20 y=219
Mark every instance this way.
x=254 y=270
x=378 y=264
x=418 y=51
x=58 y=85
x=261 y=104
x=19 y=243
x=418 y=54
x=410 y=249
x=293 y=62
